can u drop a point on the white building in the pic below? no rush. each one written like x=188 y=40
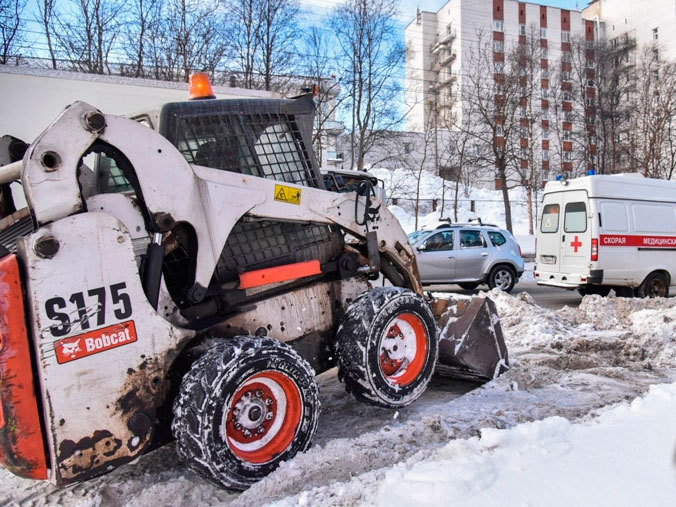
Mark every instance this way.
x=439 y=51
x=643 y=21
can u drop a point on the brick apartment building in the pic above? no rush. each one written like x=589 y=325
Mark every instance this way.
x=440 y=44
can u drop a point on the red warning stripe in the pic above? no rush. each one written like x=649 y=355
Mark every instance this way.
x=284 y=273
x=640 y=241
x=22 y=449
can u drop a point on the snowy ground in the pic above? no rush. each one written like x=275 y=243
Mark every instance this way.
x=574 y=371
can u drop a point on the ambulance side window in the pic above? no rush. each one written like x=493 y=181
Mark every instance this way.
x=550 y=218
x=575 y=219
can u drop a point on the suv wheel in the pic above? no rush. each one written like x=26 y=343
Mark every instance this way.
x=502 y=277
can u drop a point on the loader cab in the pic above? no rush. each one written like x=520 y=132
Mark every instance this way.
x=268 y=138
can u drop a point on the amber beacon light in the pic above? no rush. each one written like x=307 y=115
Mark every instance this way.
x=200 y=87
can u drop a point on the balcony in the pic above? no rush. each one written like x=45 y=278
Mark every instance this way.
x=444 y=40
x=448 y=60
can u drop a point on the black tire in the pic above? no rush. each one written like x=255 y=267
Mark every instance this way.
x=381 y=373
x=600 y=290
x=655 y=285
x=469 y=285
x=502 y=277
x=245 y=377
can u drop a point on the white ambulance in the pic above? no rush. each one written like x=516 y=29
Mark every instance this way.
x=598 y=233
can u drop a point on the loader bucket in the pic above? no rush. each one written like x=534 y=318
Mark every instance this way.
x=471 y=345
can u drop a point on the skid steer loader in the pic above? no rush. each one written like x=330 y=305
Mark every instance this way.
x=184 y=274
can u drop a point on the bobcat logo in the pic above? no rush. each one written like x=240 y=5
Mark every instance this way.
x=70 y=349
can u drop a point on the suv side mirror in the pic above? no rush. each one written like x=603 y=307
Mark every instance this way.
x=421 y=248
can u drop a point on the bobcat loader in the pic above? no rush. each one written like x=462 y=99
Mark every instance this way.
x=184 y=274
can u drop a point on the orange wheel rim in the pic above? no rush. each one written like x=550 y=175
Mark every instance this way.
x=403 y=349
x=263 y=417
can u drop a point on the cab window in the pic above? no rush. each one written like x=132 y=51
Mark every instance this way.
x=550 y=218
x=496 y=238
x=472 y=239
x=575 y=218
x=439 y=241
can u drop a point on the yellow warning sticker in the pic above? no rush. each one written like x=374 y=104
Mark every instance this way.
x=290 y=195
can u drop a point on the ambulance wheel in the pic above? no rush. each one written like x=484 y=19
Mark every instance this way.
x=502 y=277
x=469 y=285
x=246 y=405
x=600 y=290
x=656 y=285
x=387 y=347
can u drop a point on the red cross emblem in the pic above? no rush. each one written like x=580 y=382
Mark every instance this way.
x=576 y=244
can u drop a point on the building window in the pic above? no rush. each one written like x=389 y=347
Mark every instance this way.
x=407 y=148
x=499 y=131
x=656 y=54
x=566 y=135
x=544 y=114
x=497 y=25
x=543 y=53
x=545 y=134
x=476 y=150
x=656 y=34
x=523 y=131
x=544 y=93
x=522 y=30
x=568 y=116
x=591 y=83
x=498 y=67
x=566 y=57
x=498 y=46
x=567 y=156
x=543 y=33
x=544 y=73
x=524 y=153
x=565 y=75
x=590 y=101
x=565 y=36
x=545 y=155
x=566 y=96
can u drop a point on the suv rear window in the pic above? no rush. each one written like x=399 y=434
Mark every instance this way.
x=496 y=238
x=575 y=219
x=550 y=218
x=472 y=239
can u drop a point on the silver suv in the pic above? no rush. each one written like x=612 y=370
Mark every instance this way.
x=468 y=255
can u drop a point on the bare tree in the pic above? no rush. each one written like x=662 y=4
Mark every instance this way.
x=86 y=33
x=277 y=35
x=243 y=40
x=613 y=63
x=534 y=92
x=143 y=19
x=11 y=26
x=491 y=107
x=653 y=109
x=187 y=39
x=319 y=67
x=46 y=14
x=365 y=31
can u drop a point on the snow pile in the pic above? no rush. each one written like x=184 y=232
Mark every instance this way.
x=624 y=457
x=401 y=184
x=565 y=365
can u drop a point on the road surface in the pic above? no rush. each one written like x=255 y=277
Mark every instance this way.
x=547 y=297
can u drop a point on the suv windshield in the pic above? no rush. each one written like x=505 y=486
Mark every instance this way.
x=415 y=236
